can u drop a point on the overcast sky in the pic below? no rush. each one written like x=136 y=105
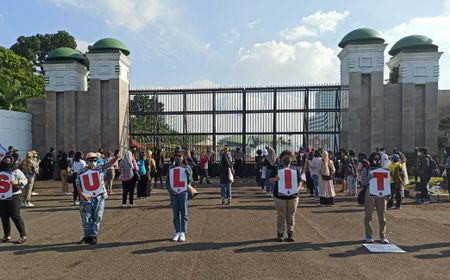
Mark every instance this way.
x=229 y=42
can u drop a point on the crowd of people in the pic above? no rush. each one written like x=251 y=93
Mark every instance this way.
x=92 y=175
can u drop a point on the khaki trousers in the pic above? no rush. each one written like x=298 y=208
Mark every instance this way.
x=28 y=189
x=285 y=213
x=65 y=185
x=380 y=204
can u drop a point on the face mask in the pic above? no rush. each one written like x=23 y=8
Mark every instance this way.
x=178 y=161
x=92 y=164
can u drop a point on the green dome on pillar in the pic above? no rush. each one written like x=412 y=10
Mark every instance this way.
x=361 y=36
x=109 y=45
x=65 y=54
x=414 y=43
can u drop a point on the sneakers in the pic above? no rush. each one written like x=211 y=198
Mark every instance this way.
x=29 y=204
x=85 y=240
x=229 y=201
x=34 y=193
x=124 y=206
x=24 y=204
x=290 y=237
x=369 y=239
x=384 y=240
x=76 y=203
x=182 y=237
x=279 y=237
x=93 y=240
x=176 y=237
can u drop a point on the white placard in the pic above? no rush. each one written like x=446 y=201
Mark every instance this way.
x=383 y=248
x=90 y=183
x=178 y=179
x=380 y=184
x=5 y=185
x=287 y=183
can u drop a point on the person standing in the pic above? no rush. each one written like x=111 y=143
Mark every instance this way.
x=63 y=164
x=77 y=166
x=424 y=171
x=151 y=171
x=12 y=181
x=397 y=179
x=326 y=186
x=315 y=172
x=285 y=196
x=128 y=167
x=143 y=176
x=30 y=169
x=351 y=173
x=159 y=160
x=110 y=173
x=372 y=202
x=447 y=168
x=192 y=162
x=91 y=187
x=178 y=178
x=226 y=175
x=269 y=162
x=238 y=162
x=258 y=166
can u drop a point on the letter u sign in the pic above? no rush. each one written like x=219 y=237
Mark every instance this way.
x=90 y=181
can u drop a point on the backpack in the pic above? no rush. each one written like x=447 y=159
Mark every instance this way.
x=399 y=175
x=433 y=167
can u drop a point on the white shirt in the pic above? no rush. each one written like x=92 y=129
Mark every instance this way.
x=77 y=166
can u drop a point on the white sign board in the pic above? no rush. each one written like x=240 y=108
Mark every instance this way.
x=287 y=183
x=178 y=179
x=383 y=248
x=380 y=184
x=5 y=185
x=90 y=183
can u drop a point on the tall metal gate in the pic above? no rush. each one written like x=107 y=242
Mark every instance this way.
x=248 y=118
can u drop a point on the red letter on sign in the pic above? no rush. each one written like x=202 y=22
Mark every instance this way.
x=288 y=179
x=95 y=181
x=380 y=180
x=4 y=184
x=176 y=179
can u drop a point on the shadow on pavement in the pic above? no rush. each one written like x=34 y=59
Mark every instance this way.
x=200 y=246
x=71 y=247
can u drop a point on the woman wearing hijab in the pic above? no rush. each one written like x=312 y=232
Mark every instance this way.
x=326 y=187
x=127 y=168
x=226 y=175
x=372 y=202
x=12 y=181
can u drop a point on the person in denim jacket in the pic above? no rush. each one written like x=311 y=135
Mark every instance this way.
x=179 y=199
x=92 y=207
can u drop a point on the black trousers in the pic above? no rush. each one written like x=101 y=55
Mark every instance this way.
x=10 y=209
x=128 y=190
x=75 y=190
x=397 y=192
x=142 y=188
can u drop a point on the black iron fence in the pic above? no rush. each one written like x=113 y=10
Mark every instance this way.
x=246 y=118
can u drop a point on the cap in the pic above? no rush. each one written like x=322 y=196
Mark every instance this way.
x=395 y=158
x=179 y=152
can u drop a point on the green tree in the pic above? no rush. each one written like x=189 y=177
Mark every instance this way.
x=17 y=81
x=35 y=48
x=444 y=132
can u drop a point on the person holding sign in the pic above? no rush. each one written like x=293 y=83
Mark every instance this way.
x=285 y=195
x=12 y=181
x=376 y=197
x=91 y=187
x=178 y=179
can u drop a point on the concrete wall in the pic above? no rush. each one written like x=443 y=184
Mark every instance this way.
x=15 y=130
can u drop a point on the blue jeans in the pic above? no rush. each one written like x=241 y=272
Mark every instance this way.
x=351 y=181
x=316 y=185
x=180 y=211
x=225 y=190
x=91 y=215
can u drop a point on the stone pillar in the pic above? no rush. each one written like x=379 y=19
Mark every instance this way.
x=110 y=97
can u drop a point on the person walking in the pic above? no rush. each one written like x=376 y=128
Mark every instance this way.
x=203 y=167
x=30 y=169
x=178 y=179
x=128 y=168
x=77 y=166
x=326 y=186
x=226 y=175
x=372 y=202
x=238 y=158
x=143 y=176
x=193 y=162
x=91 y=187
x=12 y=181
x=285 y=196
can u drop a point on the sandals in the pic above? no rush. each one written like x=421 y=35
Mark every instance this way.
x=6 y=239
x=22 y=240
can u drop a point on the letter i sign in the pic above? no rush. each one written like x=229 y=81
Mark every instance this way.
x=288 y=180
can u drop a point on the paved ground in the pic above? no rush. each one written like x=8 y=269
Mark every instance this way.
x=225 y=242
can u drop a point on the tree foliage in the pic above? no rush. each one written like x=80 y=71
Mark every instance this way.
x=17 y=81
x=35 y=48
x=444 y=132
